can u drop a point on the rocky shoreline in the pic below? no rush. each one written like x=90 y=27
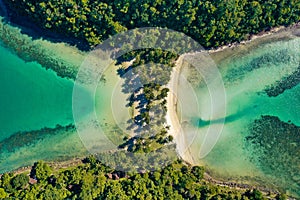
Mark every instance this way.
x=241 y=186
x=70 y=72
x=64 y=69
x=267 y=35
x=57 y=165
x=53 y=164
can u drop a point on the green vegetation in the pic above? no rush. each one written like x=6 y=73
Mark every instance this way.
x=145 y=82
x=141 y=160
x=211 y=23
x=40 y=171
x=93 y=180
x=19 y=181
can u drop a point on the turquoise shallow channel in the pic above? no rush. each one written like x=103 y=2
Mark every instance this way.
x=261 y=135
x=260 y=142
x=31 y=97
x=35 y=103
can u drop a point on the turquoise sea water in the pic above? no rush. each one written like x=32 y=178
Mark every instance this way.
x=32 y=98
x=274 y=161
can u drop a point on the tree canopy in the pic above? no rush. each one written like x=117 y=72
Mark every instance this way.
x=93 y=180
x=211 y=23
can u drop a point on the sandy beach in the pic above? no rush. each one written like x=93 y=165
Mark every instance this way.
x=219 y=54
x=172 y=114
x=172 y=117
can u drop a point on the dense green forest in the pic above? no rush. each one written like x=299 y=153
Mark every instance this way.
x=211 y=23
x=93 y=180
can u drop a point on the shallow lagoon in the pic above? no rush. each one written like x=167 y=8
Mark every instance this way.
x=33 y=98
x=27 y=105
x=235 y=156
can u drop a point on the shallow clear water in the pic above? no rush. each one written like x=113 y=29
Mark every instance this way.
x=32 y=98
x=245 y=79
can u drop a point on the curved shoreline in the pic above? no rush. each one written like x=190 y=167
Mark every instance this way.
x=171 y=117
x=277 y=33
x=64 y=70
x=174 y=78
x=286 y=31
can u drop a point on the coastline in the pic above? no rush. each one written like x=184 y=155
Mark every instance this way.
x=73 y=162
x=218 y=55
x=279 y=33
x=56 y=165
x=61 y=57
x=65 y=151
x=171 y=117
x=274 y=34
x=66 y=67
x=239 y=186
x=261 y=35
